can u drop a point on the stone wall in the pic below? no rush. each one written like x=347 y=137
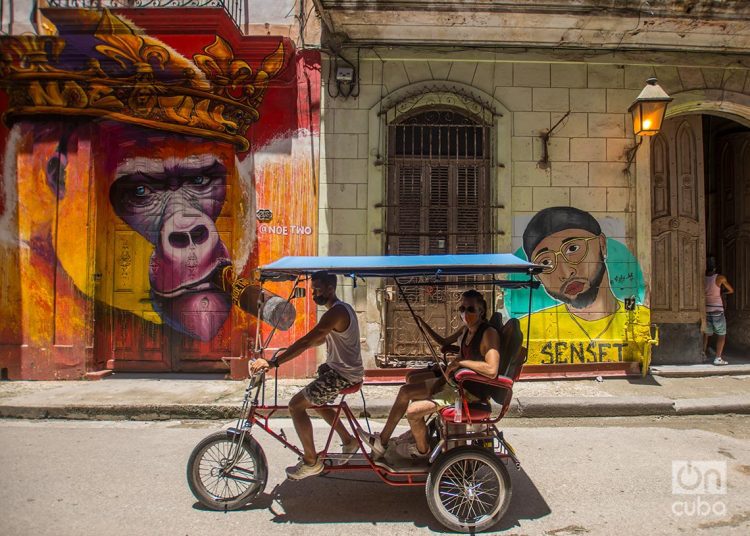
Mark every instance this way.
x=587 y=150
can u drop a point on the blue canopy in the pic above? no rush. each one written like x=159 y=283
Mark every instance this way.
x=399 y=266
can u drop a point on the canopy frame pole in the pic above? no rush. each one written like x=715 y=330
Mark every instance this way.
x=264 y=344
x=528 y=316
x=421 y=330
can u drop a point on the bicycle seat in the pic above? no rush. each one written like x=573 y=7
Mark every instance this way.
x=478 y=411
x=351 y=389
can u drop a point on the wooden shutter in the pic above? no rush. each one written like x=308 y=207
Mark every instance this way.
x=409 y=208
x=469 y=210
x=438 y=211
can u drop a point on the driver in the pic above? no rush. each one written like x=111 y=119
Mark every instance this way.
x=339 y=329
x=424 y=393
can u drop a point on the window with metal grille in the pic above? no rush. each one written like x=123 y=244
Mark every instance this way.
x=438 y=203
x=438 y=189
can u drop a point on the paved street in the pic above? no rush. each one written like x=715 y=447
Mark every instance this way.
x=585 y=476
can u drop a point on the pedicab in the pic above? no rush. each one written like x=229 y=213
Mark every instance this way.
x=466 y=480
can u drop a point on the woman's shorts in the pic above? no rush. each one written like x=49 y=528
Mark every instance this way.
x=447 y=396
x=716 y=324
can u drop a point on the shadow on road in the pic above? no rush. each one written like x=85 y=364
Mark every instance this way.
x=366 y=499
x=643 y=380
x=526 y=503
x=261 y=502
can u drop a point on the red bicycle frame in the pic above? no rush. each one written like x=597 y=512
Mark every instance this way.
x=260 y=415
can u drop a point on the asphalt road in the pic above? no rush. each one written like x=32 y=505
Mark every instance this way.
x=585 y=476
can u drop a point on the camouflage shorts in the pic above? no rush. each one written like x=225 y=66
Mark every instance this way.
x=326 y=387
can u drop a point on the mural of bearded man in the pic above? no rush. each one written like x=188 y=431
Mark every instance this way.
x=590 y=324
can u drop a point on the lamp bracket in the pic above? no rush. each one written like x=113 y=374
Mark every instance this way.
x=630 y=155
x=545 y=136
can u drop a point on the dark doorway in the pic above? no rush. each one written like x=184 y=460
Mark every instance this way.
x=700 y=207
x=727 y=146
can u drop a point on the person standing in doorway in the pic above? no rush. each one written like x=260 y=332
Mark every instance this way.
x=716 y=323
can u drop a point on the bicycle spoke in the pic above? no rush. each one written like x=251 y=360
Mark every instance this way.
x=217 y=458
x=469 y=490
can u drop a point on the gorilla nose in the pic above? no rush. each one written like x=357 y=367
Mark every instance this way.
x=189 y=249
x=195 y=236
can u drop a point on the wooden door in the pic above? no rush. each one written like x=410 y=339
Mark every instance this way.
x=677 y=222
x=437 y=209
x=133 y=328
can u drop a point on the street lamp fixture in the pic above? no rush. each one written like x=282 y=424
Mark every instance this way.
x=649 y=108
x=648 y=112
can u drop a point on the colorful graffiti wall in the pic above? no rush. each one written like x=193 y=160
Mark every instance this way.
x=128 y=201
x=591 y=305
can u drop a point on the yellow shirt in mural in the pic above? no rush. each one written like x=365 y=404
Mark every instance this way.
x=558 y=337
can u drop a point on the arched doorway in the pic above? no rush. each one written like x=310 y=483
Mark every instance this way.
x=698 y=185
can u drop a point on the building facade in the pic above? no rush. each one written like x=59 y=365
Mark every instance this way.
x=147 y=150
x=144 y=152
x=494 y=126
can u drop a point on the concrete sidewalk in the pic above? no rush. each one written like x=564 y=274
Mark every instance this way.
x=198 y=397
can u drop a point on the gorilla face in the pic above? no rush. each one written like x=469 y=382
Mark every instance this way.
x=174 y=202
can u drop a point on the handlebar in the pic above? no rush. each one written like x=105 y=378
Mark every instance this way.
x=277 y=352
x=259 y=373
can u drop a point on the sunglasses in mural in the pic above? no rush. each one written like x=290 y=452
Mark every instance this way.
x=573 y=251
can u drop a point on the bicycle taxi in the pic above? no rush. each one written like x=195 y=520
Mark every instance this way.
x=466 y=480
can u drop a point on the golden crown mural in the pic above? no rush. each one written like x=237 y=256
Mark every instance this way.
x=139 y=80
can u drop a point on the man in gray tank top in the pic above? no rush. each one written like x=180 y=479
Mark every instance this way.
x=339 y=329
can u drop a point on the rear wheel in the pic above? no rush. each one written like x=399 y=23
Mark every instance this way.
x=214 y=483
x=468 y=489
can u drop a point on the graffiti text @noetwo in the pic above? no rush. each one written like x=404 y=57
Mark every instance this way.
x=285 y=229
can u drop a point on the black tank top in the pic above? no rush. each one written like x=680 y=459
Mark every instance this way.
x=472 y=351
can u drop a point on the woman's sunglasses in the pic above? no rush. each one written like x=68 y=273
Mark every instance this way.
x=469 y=309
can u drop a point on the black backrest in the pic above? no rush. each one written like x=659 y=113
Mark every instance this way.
x=511 y=357
x=496 y=321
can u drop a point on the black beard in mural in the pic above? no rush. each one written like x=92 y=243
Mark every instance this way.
x=586 y=298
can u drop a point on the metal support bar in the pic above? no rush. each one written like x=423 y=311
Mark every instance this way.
x=447 y=233
x=421 y=329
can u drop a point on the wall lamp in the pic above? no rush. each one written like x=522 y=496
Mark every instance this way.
x=648 y=112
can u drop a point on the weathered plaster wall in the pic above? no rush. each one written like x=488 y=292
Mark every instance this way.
x=587 y=150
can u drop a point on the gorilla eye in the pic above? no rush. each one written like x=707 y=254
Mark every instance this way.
x=199 y=180
x=140 y=191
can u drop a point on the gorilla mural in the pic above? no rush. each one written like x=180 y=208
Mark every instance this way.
x=127 y=182
x=172 y=194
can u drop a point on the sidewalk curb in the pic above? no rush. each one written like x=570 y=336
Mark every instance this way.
x=146 y=412
x=700 y=371
x=711 y=406
x=595 y=406
x=524 y=407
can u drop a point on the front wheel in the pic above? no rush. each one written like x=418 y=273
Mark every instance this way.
x=468 y=489
x=218 y=484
